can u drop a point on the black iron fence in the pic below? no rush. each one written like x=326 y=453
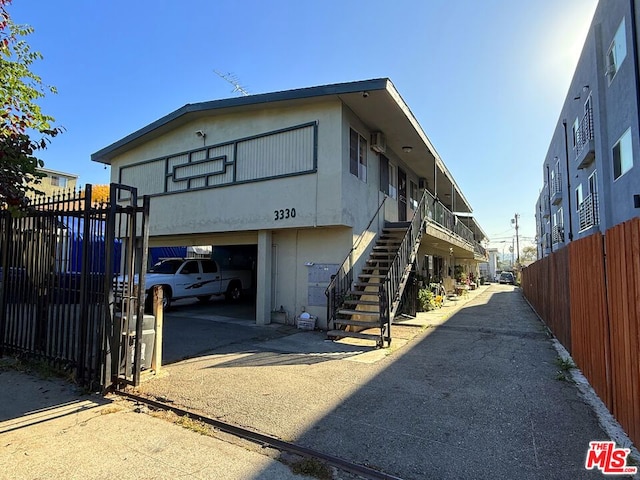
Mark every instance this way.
x=58 y=264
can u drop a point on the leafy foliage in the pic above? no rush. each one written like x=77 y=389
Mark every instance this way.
x=21 y=118
x=100 y=193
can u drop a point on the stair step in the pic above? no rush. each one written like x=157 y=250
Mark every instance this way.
x=361 y=302
x=384 y=248
x=392 y=241
x=371 y=275
x=364 y=336
x=362 y=292
x=397 y=225
x=382 y=254
x=356 y=323
x=381 y=270
x=368 y=284
x=364 y=313
x=379 y=261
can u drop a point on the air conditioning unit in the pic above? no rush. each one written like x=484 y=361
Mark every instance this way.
x=378 y=142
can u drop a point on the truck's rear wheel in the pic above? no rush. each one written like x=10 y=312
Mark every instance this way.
x=234 y=292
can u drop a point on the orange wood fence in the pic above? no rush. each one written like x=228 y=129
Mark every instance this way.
x=588 y=294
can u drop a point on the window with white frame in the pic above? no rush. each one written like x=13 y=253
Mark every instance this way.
x=579 y=197
x=57 y=181
x=593 y=184
x=617 y=52
x=357 y=155
x=576 y=126
x=622 y=155
x=413 y=195
x=393 y=181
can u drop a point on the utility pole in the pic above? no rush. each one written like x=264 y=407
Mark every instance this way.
x=514 y=220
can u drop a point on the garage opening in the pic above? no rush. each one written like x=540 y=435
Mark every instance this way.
x=202 y=287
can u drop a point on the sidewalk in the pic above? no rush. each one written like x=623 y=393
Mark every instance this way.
x=50 y=430
x=469 y=391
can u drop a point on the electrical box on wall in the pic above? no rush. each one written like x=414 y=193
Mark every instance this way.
x=378 y=142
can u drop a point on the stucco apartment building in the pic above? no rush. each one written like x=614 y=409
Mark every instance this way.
x=591 y=179
x=310 y=177
x=55 y=182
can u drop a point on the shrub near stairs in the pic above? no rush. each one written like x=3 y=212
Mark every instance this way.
x=426 y=300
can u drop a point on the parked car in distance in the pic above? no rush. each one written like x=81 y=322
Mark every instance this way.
x=507 y=277
x=191 y=277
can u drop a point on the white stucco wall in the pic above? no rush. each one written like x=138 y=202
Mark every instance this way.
x=296 y=252
x=248 y=206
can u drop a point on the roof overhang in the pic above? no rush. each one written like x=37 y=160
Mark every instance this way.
x=375 y=102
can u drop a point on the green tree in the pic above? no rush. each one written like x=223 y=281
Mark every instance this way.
x=529 y=253
x=24 y=128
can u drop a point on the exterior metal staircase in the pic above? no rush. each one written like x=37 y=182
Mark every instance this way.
x=366 y=308
x=361 y=308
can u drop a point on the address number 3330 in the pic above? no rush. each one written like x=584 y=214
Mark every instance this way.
x=284 y=213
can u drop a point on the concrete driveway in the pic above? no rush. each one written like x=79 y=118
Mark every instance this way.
x=471 y=395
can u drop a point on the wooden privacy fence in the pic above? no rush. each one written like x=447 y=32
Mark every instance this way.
x=588 y=294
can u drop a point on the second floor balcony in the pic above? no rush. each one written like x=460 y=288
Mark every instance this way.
x=584 y=140
x=441 y=216
x=556 y=189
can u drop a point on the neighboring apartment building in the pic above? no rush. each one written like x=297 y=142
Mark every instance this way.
x=309 y=177
x=591 y=173
x=56 y=182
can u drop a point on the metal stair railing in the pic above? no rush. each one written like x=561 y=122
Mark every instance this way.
x=391 y=288
x=341 y=282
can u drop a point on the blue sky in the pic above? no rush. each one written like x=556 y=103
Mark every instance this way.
x=485 y=78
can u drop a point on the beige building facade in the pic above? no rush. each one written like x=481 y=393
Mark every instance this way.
x=308 y=176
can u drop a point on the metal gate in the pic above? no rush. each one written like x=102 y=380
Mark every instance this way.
x=67 y=291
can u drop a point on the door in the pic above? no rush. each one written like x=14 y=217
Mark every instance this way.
x=402 y=195
x=188 y=280
x=211 y=278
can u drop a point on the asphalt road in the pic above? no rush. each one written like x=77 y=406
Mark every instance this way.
x=472 y=396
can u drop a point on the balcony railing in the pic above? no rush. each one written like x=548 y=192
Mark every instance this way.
x=557 y=234
x=588 y=212
x=438 y=213
x=585 y=147
x=479 y=250
x=556 y=189
x=585 y=130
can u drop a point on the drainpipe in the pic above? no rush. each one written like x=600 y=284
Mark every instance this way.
x=566 y=159
x=550 y=217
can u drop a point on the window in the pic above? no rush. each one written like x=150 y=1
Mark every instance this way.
x=593 y=187
x=57 y=181
x=576 y=127
x=622 y=155
x=413 y=195
x=209 y=266
x=384 y=174
x=617 y=52
x=190 y=268
x=357 y=155
x=559 y=217
x=579 y=197
x=393 y=181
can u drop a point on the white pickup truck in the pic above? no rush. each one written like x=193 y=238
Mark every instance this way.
x=194 y=277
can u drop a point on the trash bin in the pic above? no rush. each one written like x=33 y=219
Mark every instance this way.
x=147 y=343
